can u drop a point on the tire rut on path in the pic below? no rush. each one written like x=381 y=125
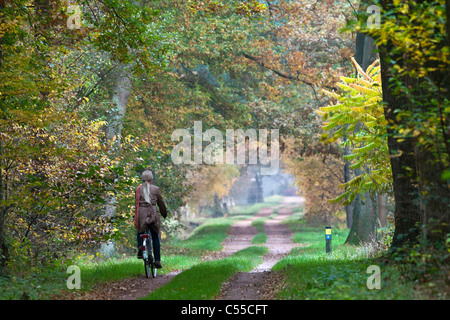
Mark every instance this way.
x=260 y=283
x=242 y=232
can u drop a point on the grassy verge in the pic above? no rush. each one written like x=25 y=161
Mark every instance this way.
x=38 y=284
x=310 y=273
x=203 y=281
x=45 y=283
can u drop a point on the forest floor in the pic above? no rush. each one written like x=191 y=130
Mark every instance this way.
x=259 y=284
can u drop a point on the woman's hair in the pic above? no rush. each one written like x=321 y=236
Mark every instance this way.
x=146 y=176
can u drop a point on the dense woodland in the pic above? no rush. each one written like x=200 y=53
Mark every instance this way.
x=90 y=93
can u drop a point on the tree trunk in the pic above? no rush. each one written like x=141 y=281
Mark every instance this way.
x=382 y=209
x=259 y=186
x=347 y=178
x=364 y=54
x=406 y=193
x=435 y=197
x=120 y=99
x=421 y=196
x=432 y=158
x=3 y=246
x=354 y=236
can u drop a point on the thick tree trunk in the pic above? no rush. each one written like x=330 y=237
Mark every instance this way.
x=432 y=159
x=406 y=193
x=363 y=229
x=120 y=97
x=354 y=236
x=364 y=55
x=356 y=213
x=3 y=247
x=422 y=198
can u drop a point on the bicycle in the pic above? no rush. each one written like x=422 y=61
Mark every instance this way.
x=149 y=262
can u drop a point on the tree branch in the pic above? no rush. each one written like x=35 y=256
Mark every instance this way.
x=287 y=76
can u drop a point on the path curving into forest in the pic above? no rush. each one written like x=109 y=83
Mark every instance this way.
x=258 y=284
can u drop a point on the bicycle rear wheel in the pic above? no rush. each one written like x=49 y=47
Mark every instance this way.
x=153 y=269
x=147 y=258
x=147 y=268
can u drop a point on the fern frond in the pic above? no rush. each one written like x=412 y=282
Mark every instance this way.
x=353 y=183
x=366 y=83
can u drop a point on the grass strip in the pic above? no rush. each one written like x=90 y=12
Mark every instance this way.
x=204 y=281
x=271 y=201
x=259 y=238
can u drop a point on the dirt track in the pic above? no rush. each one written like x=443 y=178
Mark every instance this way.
x=259 y=284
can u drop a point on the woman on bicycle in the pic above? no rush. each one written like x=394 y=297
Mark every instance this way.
x=146 y=215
